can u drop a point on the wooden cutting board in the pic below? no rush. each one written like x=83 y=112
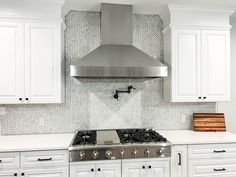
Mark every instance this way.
x=209 y=122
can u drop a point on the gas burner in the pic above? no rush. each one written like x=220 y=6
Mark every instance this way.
x=85 y=137
x=139 y=136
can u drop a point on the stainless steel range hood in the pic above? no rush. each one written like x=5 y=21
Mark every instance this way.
x=117 y=57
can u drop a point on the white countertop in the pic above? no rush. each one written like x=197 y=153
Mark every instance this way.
x=62 y=141
x=178 y=137
x=35 y=142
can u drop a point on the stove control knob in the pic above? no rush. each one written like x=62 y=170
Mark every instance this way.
x=134 y=152
x=122 y=152
x=108 y=154
x=160 y=152
x=81 y=155
x=95 y=154
x=146 y=152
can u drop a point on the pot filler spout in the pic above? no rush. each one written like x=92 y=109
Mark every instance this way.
x=117 y=57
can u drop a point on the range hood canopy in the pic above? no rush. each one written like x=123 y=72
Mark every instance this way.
x=117 y=57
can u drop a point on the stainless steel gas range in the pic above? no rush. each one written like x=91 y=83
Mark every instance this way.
x=91 y=145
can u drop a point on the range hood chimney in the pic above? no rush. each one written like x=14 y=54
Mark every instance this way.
x=117 y=57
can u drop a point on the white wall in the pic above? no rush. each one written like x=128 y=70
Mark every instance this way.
x=229 y=108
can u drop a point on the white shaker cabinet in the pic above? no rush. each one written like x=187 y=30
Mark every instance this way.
x=43 y=63
x=146 y=168
x=31 y=62
x=216 y=65
x=8 y=173
x=183 y=83
x=60 y=172
x=82 y=170
x=197 y=53
x=133 y=169
x=179 y=161
x=98 y=169
x=11 y=62
x=199 y=61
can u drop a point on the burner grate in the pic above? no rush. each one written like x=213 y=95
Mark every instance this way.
x=85 y=137
x=139 y=136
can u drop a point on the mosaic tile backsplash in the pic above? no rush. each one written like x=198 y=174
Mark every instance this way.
x=90 y=103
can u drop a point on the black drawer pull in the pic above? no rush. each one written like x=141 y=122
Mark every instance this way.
x=0 y=161
x=143 y=167
x=180 y=159
x=215 y=151
x=221 y=169
x=149 y=166
x=99 y=169
x=15 y=174
x=22 y=174
x=92 y=170
x=44 y=159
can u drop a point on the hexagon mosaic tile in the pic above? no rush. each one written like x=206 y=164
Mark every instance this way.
x=90 y=103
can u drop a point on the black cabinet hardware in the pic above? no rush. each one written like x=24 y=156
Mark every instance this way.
x=116 y=96
x=204 y=97
x=219 y=169
x=26 y=99
x=0 y=161
x=44 y=159
x=199 y=98
x=99 y=169
x=215 y=151
x=180 y=159
x=149 y=166
x=15 y=174
x=22 y=174
x=20 y=99
x=92 y=170
x=143 y=167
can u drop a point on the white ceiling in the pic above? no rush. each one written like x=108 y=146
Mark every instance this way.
x=147 y=6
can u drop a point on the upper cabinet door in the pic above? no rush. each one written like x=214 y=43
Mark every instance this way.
x=216 y=65
x=11 y=65
x=43 y=63
x=185 y=65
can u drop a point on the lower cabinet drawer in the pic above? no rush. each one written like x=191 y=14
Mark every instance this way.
x=212 y=151
x=44 y=158
x=9 y=160
x=212 y=168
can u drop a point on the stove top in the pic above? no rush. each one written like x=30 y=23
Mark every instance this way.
x=118 y=144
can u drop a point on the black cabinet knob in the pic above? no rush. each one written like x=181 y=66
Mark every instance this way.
x=143 y=167
x=199 y=97
x=204 y=97
x=26 y=99
x=20 y=99
x=99 y=169
x=92 y=170
x=15 y=174
x=22 y=174
x=149 y=166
